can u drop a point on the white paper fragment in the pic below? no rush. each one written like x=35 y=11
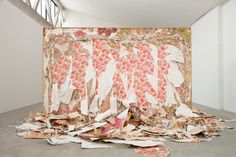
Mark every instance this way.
x=67 y=97
x=126 y=103
x=88 y=136
x=196 y=129
x=63 y=140
x=151 y=99
x=170 y=94
x=103 y=115
x=71 y=128
x=94 y=145
x=186 y=140
x=93 y=87
x=113 y=104
x=184 y=110
x=87 y=128
x=128 y=128
x=131 y=98
x=62 y=48
x=84 y=107
x=123 y=115
x=105 y=81
x=53 y=116
x=138 y=143
x=55 y=31
x=174 y=75
x=55 y=98
x=123 y=51
x=45 y=98
x=93 y=108
x=124 y=79
x=21 y=134
x=175 y=54
x=177 y=96
x=73 y=115
x=27 y=127
x=130 y=92
x=66 y=85
x=49 y=125
x=90 y=71
x=88 y=46
x=48 y=130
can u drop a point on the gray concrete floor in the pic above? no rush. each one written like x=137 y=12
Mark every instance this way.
x=13 y=146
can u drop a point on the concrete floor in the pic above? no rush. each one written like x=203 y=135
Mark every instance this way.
x=13 y=146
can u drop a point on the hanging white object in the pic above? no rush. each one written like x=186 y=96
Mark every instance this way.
x=170 y=94
x=93 y=87
x=67 y=97
x=90 y=71
x=174 y=75
x=55 y=98
x=130 y=92
x=84 y=107
x=113 y=104
x=105 y=81
x=93 y=108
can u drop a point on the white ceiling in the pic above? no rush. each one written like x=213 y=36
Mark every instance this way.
x=147 y=13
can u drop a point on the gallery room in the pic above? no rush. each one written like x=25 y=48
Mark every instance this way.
x=117 y=78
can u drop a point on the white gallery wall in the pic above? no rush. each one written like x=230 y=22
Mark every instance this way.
x=20 y=58
x=229 y=55
x=205 y=61
x=214 y=58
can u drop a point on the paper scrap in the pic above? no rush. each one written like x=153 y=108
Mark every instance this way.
x=137 y=143
x=103 y=115
x=67 y=97
x=93 y=108
x=27 y=126
x=184 y=110
x=63 y=140
x=113 y=104
x=86 y=144
x=87 y=128
x=84 y=107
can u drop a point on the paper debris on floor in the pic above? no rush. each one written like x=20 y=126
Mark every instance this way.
x=108 y=87
x=127 y=128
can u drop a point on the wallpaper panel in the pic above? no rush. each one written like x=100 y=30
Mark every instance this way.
x=96 y=70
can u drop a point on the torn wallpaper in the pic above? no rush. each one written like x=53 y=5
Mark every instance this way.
x=107 y=87
x=92 y=70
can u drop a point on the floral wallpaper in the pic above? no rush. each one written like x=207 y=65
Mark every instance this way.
x=92 y=70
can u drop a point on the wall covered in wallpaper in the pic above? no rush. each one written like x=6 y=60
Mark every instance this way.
x=97 y=70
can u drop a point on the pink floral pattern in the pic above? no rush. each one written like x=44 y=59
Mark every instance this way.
x=79 y=64
x=163 y=67
x=59 y=69
x=132 y=55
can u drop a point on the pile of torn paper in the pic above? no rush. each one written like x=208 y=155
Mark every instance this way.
x=142 y=127
x=118 y=87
